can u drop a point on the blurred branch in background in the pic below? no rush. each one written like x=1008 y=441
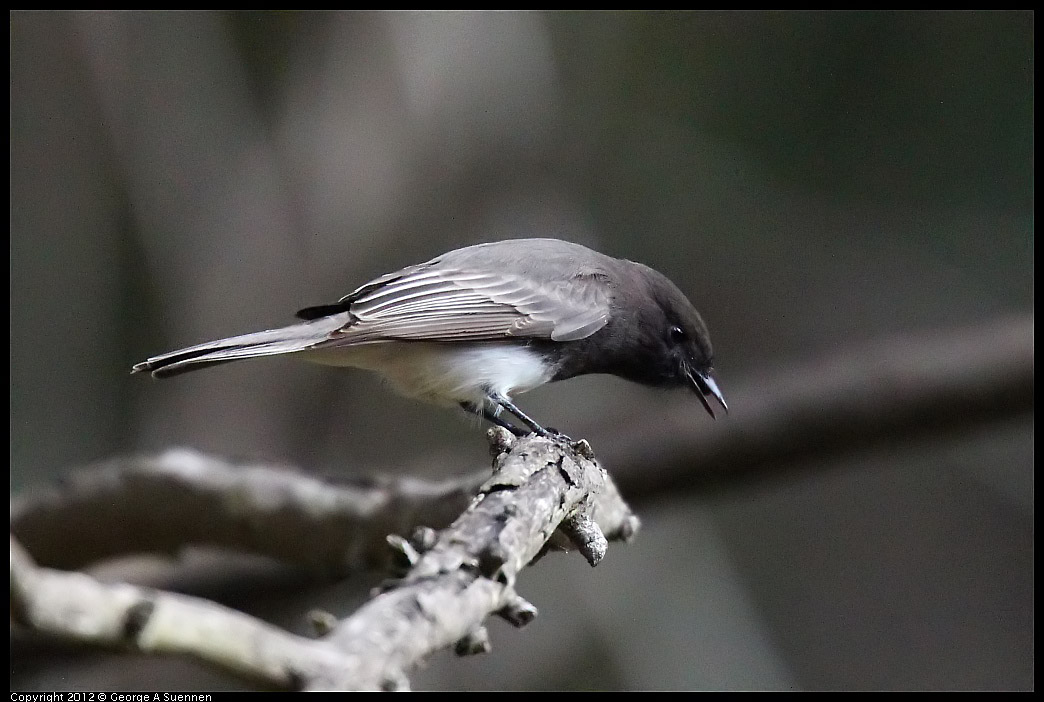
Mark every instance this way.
x=907 y=387
x=452 y=582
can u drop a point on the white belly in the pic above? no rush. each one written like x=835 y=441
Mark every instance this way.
x=445 y=373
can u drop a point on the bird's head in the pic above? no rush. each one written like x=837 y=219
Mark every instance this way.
x=675 y=341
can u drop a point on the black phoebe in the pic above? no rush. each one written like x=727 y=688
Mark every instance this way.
x=477 y=324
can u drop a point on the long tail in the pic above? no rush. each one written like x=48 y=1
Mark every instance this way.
x=296 y=337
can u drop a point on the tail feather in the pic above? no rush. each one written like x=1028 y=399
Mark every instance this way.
x=297 y=337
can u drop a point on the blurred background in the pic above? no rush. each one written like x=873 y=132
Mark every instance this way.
x=815 y=182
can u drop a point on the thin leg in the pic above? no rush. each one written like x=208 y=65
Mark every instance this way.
x=490 y=416
x=526 y=419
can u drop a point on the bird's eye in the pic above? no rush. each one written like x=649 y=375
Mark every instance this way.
x=677 y=334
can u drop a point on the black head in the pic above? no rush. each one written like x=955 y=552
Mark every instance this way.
x=671 y=344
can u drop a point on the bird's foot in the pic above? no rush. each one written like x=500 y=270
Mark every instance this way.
x=553 y=434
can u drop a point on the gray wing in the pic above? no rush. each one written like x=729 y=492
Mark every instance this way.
x=433 y=302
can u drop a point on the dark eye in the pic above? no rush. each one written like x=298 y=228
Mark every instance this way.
x=677 y=334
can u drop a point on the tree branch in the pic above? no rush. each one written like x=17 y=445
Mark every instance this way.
x=470 y=570
x=455 y=579
x=76 y=607
x=162 y=503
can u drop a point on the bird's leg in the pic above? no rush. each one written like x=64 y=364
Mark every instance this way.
x=491 y=416
x=505 y=403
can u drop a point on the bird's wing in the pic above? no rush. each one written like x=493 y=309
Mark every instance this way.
x=440 y=303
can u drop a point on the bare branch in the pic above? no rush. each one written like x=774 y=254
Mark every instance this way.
x=469 y=571
x=76 y=607
x=180 y=497
x=465 y=573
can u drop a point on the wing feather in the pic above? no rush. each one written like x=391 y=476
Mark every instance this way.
x=433 y=303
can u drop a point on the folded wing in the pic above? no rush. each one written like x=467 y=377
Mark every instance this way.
x=437 y=303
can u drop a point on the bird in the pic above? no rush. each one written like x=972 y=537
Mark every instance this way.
x=480 y=324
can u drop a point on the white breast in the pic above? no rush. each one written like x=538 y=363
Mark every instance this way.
x=445 y=373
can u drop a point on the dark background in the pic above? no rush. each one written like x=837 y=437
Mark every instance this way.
x=813 y=181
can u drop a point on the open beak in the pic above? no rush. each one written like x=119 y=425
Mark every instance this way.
x=705 y=386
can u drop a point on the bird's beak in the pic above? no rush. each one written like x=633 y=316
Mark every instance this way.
x=704 y=385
